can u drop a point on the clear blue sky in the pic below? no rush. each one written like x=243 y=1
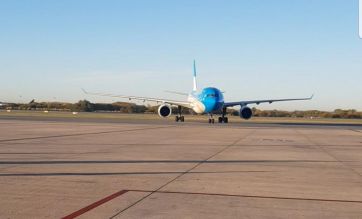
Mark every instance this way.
x=250 y=49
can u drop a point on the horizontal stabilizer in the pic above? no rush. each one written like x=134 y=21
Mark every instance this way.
x=176 y=92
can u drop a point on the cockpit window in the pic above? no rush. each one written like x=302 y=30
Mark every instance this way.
x=210 y=95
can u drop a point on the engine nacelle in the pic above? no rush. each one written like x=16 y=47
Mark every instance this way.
x=164 y=111
x=246 y=112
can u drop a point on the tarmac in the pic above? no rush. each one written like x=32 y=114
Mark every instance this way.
x=89 y=169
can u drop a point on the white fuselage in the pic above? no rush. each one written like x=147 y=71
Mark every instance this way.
x=196 y=104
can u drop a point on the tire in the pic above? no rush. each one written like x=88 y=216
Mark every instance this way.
x=226 y=119
x=209 y=120
x=220 y=119
x=213 y=121
x=177 y=118
x=182 y=119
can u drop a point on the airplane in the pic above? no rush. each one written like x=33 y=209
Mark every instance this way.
x=209 y=101
x=5 y=103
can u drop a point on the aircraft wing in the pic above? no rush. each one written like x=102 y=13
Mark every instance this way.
x=244 y=103
x=150 y=99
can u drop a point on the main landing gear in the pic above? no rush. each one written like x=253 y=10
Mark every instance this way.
x=179 y=117
x=223 y=119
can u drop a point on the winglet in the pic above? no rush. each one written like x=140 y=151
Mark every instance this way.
x=311 y=97
x=195 y=84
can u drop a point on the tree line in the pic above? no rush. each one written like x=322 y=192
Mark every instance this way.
x=80 y=106
x=338 y=113
x=87 y=106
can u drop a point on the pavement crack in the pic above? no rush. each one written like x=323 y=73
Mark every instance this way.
x=344 y=164
x=183 y=173
x=251 y=196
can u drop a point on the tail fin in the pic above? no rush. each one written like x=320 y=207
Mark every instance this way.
x=195 y=84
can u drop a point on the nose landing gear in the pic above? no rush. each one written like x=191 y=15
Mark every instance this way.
x=211 y=118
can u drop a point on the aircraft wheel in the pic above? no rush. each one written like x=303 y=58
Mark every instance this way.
x=177 y=118
x=182 y=118
x=220 y=119
x=226 y=119
x=213 y=121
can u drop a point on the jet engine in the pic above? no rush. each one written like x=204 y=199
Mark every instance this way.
x=164 y=111
x=246 y=112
